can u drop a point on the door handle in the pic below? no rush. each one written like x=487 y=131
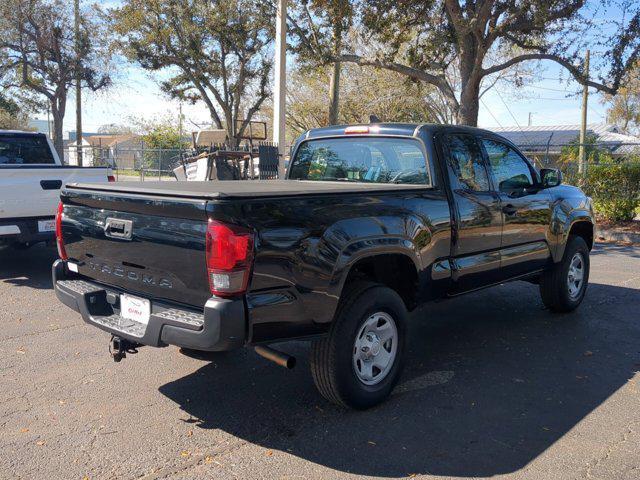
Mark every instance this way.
x=51 y=184
x=509 y=209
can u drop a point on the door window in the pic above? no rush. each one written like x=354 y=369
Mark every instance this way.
x=466 y=163
x=510 y=170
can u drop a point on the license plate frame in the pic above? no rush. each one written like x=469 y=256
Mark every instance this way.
x=45 y=226
x=135 y=308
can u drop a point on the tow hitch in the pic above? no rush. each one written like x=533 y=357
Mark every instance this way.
x=119 y=347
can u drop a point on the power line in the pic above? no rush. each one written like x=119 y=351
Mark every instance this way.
x=491 y=113
x=512 y=116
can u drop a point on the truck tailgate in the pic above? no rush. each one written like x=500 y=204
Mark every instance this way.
x=27 y=191
x=163 y=255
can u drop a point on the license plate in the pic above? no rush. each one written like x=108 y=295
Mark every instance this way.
x=135 y=308
x=46 y=225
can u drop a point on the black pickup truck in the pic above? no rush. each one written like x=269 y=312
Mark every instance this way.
x=371 y=221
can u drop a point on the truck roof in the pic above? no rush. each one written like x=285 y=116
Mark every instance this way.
x=21 y=132
x=403 y=129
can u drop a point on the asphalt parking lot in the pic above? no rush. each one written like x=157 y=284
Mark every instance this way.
x=494 y=386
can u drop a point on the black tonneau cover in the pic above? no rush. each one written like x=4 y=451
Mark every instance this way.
x=241 y=189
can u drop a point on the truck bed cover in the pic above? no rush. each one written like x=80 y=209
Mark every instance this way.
x=230 y=189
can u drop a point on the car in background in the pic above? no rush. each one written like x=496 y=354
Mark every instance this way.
x=31 y=176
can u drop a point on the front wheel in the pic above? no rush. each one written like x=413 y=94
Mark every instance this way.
x=360 y=361
x=564 y=285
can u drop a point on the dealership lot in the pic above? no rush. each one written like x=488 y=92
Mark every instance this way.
x=494 y=385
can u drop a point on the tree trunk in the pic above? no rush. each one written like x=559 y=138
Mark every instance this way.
x=334 y=94
x=470 y=63
x=469 y=105
x=58 y=118
x=230 y=126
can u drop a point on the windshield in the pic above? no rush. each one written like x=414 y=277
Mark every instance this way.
x=361 y=159
x=17 y=149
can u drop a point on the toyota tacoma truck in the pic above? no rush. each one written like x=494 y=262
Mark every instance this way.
x=370 y=222
x=31 y=176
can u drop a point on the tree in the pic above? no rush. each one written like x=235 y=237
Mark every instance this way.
x=13 y=116
x=365 y=91
x=38 y=53
x=216 y=51
x=323 y=27
x=624 y=108
x=423 y=40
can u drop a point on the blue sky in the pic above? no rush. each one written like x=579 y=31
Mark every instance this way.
x=550 y=101
x=550 y=98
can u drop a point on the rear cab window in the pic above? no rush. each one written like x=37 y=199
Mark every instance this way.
x=363 y=159
x=19 y=149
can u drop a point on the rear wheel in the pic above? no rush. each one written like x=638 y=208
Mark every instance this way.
x=360 y=361
x=563 y=286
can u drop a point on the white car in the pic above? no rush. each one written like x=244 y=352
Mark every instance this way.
x=31 y=176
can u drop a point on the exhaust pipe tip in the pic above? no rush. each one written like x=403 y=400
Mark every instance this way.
x=277 y=357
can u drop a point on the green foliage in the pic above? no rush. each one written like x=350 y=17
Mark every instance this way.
x=614 y=184
x=164 y=136
x=12 y=115
x=364 y=91
x=162 y=141
x=615 y=189
x=216 y=51
x=463 y=47
x=570 y=154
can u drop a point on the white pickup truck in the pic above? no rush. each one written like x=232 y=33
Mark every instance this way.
x=31 y=176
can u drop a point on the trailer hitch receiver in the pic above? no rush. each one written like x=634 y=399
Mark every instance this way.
x=119 y=347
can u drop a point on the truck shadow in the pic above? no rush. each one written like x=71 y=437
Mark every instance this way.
x=29 y=267
x=492 y=380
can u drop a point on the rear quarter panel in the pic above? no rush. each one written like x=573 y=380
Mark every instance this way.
x=305 y=247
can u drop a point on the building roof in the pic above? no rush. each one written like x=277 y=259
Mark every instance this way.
x=106 y=141
x=538 y=137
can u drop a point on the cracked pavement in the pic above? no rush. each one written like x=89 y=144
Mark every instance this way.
x=494 y=386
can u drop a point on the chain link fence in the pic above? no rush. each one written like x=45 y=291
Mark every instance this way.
x=128 y=163
x=140 y=163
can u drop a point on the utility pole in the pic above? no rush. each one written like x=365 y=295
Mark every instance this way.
x=78 y=83
x=334 y=93
x=582 y=152
x=280 y=84
x=531 y=118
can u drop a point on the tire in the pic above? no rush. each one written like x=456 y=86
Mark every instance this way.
x=558 y=293
x=366 y=316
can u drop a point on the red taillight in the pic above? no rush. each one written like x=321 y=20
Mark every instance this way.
x=229 y=258
x=59 y=242
x=111 y=178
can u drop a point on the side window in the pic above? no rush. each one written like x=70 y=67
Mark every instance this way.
x=17 y=149
x=465 y=160
x=509 y=168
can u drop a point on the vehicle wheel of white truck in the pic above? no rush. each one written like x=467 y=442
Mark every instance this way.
x=563 y=286
x=360 y=361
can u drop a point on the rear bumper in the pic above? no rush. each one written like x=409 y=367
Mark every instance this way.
x=24 y=230
x=220 y=326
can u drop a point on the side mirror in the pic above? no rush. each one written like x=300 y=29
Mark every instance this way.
x=551 y=177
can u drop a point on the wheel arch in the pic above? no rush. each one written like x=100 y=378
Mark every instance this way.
x=397 y=269
x=581 y=226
